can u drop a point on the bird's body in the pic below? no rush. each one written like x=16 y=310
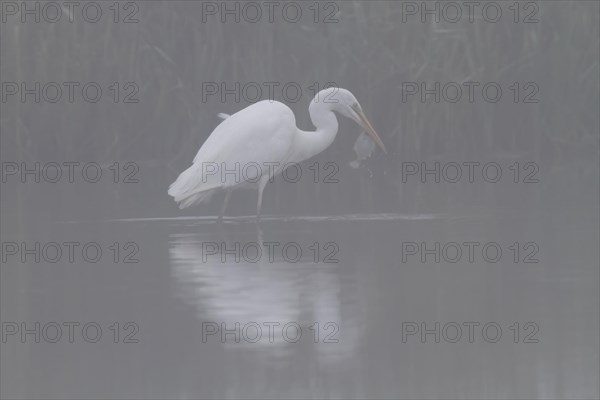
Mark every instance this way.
x=251 y=146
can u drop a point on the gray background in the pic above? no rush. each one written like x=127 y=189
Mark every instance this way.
x=369 y=213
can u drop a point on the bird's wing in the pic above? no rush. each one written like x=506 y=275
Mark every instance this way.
x=260 y=133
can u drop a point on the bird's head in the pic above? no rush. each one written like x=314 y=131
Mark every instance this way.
x=344 y=102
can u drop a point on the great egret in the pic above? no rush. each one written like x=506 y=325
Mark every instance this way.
x=251 y=146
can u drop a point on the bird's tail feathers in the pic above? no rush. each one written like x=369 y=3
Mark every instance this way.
x=188 y=189
x=195 y=198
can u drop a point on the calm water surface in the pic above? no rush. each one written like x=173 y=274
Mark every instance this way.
x=355 y=300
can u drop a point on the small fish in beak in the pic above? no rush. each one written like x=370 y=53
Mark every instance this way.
x=363 y=147
x=362 y=120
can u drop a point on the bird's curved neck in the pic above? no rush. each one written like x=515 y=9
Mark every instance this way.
x=323 y=118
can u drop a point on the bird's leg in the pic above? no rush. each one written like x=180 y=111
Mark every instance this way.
x=261 y=187
x=259 y=205
x=224 y=206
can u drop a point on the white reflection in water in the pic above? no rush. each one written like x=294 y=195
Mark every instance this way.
x=244 y=292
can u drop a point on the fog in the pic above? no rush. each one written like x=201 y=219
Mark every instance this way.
x=482 y=218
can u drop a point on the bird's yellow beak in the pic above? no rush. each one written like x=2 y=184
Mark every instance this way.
x=366 y=125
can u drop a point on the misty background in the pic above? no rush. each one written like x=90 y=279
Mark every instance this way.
x=170 y=53
x=169 y=56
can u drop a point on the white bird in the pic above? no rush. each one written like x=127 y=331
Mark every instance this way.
x=251 y=146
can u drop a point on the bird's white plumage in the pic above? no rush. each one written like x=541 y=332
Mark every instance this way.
x=256 y=136
x=252 y=145
x=248 y=133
